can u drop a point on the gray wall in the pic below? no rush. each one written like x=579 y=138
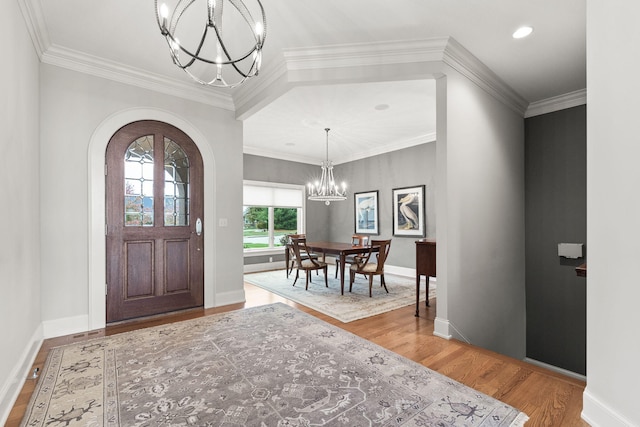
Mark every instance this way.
x=403 y=168
x=556 y=203
x=480 y=208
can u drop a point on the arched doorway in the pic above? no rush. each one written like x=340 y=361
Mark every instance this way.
x=154 y=212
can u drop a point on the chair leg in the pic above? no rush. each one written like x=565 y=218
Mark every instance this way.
x=297 y=274
x=293 y=263
x=337 y=266
x=352 y=276
x=370 y=284
x=326 y=280
x=307 y=273
x=383 y=283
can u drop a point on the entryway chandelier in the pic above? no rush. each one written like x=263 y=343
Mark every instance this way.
x=326 y=190
x=199 y=46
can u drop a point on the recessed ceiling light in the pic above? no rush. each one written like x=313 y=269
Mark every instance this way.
x=381 y=107
x=522 y=32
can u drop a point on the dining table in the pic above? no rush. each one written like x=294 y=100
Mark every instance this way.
x=338 y=249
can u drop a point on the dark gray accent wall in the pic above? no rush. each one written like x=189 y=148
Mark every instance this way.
x=555 y=212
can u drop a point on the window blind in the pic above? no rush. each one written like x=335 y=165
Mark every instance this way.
x=258 y=195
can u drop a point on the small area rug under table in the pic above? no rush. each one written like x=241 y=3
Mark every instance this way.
x=350 y=306
x=264 y=366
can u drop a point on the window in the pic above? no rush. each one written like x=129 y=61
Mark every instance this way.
x=270 y=212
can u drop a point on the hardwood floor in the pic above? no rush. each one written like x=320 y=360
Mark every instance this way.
x=548 y=398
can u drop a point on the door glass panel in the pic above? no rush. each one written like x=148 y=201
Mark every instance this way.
x=138 y=183
x=176 y=185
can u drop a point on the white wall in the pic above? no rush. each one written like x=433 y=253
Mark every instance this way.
x=613 y=213
x=483 y=192
x=74 y=107
x=19 y=215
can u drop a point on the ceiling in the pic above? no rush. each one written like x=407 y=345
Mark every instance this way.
x=121 y=36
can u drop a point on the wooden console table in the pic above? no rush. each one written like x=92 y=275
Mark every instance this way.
x=425 y=266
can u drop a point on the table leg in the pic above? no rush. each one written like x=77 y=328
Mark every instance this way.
x=418 y=295
x=426 y=301
x=342 y=259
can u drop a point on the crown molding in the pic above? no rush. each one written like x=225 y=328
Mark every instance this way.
x=395 y=146
x=436 y=50
x=365 y=54
x=260 y=90
x=110 y=70
x=463 y=61
x=557 y=103
x=34 y=20
x=399 y=145
x=279 y=79
x=264 y=152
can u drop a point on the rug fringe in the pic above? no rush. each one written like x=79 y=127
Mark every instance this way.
x=520 y=420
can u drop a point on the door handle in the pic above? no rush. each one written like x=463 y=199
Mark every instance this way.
x=198 y=226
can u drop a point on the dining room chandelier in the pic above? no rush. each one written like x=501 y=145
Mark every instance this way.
x=326 y=190
x=211 y=53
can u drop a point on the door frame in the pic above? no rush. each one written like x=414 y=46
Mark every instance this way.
x=97 y=206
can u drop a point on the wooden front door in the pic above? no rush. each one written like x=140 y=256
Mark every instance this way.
x=155 y=253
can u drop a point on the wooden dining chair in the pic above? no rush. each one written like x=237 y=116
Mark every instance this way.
x=308 y=264
x=356 y=240
x=292 y=257
x=371 y=264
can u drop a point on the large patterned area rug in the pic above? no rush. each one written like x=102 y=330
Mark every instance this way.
x=265 y=366
x=350 y=306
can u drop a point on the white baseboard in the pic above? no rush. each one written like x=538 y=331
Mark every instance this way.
x=65 y=326
x=598 y=414
x=10 y=391
x=564 y=372
x=441 y=328
x=226 y=298
x=400 y=271
x=265 y=266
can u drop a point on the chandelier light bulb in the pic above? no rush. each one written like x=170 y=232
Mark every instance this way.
x=164 y=11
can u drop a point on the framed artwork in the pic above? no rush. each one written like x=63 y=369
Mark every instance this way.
x=366 y=212
x=408 y=211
